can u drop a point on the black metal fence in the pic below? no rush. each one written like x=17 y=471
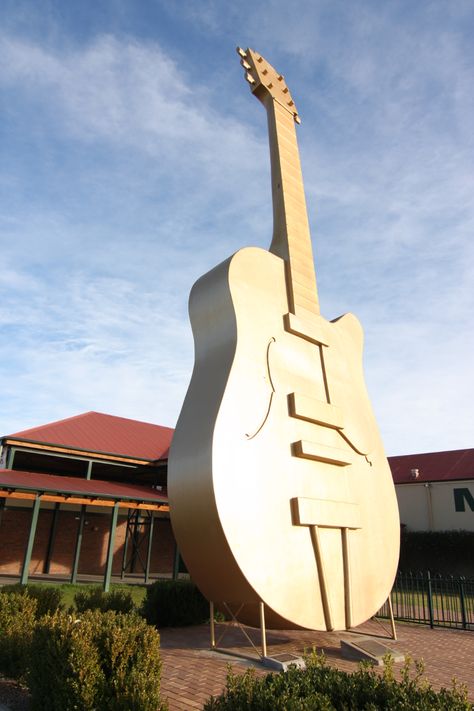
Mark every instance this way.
x=435 y=600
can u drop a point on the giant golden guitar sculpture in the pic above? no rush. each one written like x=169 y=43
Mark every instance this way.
x=280 y=491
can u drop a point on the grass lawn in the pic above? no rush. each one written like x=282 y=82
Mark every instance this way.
x=447 y=607
x=68 y=591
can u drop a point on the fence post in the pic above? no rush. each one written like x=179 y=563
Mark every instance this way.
x=463 y=604
x=430 y=598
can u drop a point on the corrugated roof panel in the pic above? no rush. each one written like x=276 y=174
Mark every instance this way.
x=50 y=483
x=106 y=434
x=433 y=466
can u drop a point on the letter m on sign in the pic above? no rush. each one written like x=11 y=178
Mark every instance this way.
x=461 y=497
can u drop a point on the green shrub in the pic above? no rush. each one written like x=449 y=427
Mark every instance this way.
x=17 y=622
x=48 y=597
x=174 y=603
x=130 y=659
x=322 y=688
x=64 y=668
x=96 y=661
x=95 y=598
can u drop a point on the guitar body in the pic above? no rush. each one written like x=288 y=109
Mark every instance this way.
x=279 y=487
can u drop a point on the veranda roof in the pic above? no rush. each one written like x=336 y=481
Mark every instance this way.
x=66 y=489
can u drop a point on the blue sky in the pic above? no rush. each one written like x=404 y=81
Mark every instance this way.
x=134 y=159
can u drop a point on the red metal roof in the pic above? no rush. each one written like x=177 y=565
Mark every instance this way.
x=433 y=466
x=49 y=483
x=106 y=434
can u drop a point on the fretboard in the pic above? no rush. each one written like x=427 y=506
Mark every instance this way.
x=291 y=235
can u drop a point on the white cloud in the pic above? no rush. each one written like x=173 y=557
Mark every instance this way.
x=147 y=179
x=96 y=345
x=124 y=92
x=160 y=137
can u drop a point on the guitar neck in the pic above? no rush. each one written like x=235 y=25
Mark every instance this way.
x=291 y=236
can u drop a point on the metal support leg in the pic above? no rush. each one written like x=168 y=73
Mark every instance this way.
x=212 y=625
x=148 y=553
x=77 y=550
x=392 y=619
x=233 y=616
x=110 y=547
x=31 y=540
x=52 y=538
x=263 y=630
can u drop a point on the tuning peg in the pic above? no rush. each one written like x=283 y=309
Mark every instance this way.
x=250 y=78
x=245 y=64
x=297 y=119
x=242 y=52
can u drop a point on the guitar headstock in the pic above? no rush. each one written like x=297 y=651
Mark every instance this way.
x=265 y=81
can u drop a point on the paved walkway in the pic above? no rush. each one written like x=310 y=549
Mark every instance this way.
x=191 y=672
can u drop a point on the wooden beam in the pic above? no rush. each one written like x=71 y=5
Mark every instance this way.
x=64 y=499
x=79 y=452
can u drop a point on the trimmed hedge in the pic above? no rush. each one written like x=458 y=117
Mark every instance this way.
x=96 y=661
x=322 y=688
x=95 y=598
x=17 y=622
x=174 y=603
x=48 y=597
x=440 y=552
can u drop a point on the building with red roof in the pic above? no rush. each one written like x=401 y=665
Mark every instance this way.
x=86 y=496
x=435 y=490
x=105 y=435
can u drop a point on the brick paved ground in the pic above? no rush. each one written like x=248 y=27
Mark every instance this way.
x=191 y=672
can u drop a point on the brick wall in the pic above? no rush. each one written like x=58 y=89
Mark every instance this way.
x=15 y=526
